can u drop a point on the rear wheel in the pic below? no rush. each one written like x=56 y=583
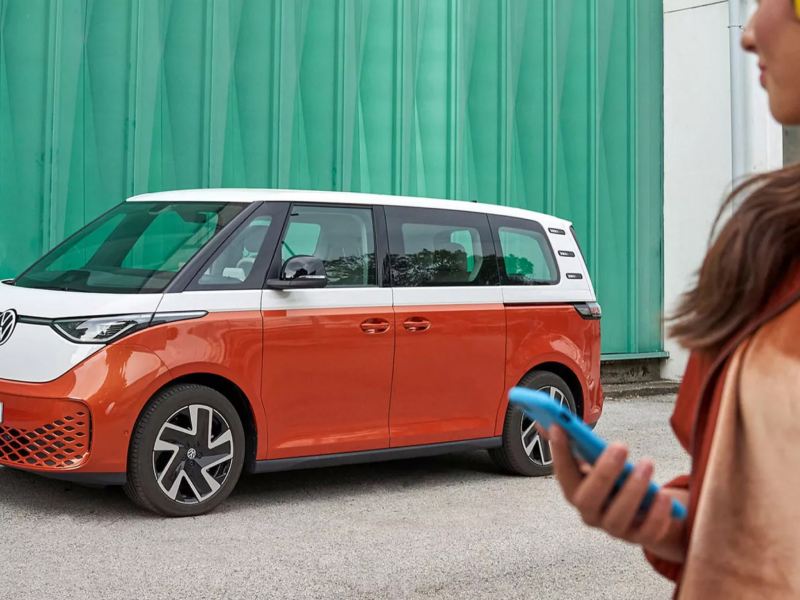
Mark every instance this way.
x=186 y=452
x=524 y=451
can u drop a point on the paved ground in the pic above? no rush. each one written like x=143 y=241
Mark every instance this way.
x=447 y=527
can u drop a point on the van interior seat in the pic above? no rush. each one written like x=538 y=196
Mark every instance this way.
x=251 y=245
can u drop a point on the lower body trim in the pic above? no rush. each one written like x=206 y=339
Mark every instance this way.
x=369 y=456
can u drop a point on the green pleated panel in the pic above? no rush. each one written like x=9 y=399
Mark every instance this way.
x=552 y=105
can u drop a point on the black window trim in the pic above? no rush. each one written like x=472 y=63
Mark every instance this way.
x=382 y=246
x=498 y=221
x=276 y=264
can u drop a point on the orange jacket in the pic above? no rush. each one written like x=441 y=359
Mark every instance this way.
x=697 y=409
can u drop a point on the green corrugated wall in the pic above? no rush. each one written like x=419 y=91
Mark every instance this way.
x=552 y=105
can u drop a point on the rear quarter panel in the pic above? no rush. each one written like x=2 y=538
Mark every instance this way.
x=539 y=334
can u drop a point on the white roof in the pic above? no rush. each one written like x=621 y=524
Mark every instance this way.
x=267 y=195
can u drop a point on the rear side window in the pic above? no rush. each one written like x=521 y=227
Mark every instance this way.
x=432 y=247
x=526 y=257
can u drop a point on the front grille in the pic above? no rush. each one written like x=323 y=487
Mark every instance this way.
x=61 y=444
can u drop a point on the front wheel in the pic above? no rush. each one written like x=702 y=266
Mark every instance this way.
x=186 y=452
x=524 y=451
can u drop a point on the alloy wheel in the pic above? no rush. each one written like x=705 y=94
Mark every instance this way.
x=193 y=454
x=537 y=448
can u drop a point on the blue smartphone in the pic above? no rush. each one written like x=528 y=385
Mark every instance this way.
x=586 y=444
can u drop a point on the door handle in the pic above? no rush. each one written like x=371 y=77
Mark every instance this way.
x=415 y=324
x=375 y=326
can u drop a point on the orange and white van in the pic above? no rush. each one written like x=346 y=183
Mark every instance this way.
x=184 y=336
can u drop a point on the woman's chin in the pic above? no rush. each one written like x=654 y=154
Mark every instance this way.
x=785 y=113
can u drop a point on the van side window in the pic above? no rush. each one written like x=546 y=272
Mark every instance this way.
x=526 y=257
x=433 y=247
x=242 y=260
x=343 y=237
x=234 y=264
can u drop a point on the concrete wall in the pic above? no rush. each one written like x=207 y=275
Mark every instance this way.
x=698 y=169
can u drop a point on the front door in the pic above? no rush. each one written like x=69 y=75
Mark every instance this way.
x=450 y=322
x=328 y=352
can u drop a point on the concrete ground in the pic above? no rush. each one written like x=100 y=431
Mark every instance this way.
x=446 y=527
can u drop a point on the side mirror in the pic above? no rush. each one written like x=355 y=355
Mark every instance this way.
x=300 y=273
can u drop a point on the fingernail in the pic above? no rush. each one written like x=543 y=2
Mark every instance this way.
x=643 y=470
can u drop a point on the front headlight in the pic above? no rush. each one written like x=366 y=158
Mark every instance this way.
x=101 y=330
x=104 y=330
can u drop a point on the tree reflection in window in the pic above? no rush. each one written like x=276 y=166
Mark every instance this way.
x=527 y=257
x=349 y=271
x=519 y=268
x=430 y=267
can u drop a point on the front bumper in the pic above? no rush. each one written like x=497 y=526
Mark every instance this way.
x=44 y=434
x=78 y=427
x=49 y=437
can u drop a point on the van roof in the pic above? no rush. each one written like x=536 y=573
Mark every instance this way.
x=267 y=195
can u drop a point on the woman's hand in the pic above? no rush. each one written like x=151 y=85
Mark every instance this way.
x=588 y=489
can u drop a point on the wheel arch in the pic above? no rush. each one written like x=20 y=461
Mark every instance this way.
x=549 y=364
x=235 y=395
x=568 y=375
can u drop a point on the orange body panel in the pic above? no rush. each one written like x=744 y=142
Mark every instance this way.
x=225 y=344
x=323 y=381
x=114 y=384
x=554 y=334
x=448 y=378
x=117 y=382
x=327 y=380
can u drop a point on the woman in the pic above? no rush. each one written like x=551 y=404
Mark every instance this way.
x=738 y=410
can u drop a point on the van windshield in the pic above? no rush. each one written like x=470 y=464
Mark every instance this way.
x=136 y=247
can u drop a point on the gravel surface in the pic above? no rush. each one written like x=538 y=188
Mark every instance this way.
x=445 y=527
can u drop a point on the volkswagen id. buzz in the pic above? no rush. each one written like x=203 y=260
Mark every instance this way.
x=185 y=336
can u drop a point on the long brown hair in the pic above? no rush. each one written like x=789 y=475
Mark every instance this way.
x=748 y=259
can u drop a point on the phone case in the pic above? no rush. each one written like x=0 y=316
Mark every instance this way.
x=586 y=444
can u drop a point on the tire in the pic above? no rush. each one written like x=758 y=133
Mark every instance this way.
x=512 y=456
x=187 y=474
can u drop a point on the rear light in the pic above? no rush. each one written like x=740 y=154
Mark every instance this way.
x=589 y=310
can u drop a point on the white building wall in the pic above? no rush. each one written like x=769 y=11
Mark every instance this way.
x=698 y=141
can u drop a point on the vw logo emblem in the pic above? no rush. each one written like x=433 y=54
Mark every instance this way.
x=8 y=321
